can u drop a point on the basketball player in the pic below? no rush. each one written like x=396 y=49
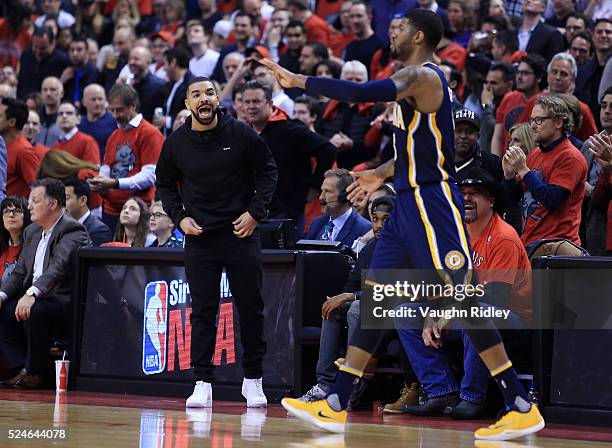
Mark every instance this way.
x=426 y=231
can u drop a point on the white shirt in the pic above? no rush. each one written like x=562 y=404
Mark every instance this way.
x=339 y=223
x=175 y=87
x=281 y=100
x=64 y=20
x=159 y=72
x=69 y=135
x=84 y=217
x=139 y=181
x=205 y=64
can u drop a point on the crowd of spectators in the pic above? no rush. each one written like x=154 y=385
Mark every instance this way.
x=89 y=90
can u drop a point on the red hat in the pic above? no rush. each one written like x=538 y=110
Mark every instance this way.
x=163 y=35
x=260 y=50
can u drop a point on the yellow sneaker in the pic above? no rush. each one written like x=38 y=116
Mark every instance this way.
x=512 y=425
x=318 y=413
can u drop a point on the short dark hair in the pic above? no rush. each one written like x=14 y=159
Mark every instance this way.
x=608 y=91
x=16 y=109
x=506 y=69
x=296 y=24
x=126 y=93
x=334 y=67
x=252 y=18
x=17 y=202
x=366 y=5
x=429 y=23
x=43 y=31
x=537 y=64
x=601 y=20
x=500 y=23
x=198 y=79
x=586 y=36
x=80 y=37
x=257 y=85
x=80 y=188
x=318 y=49
x=588 y=23
x=54 y=189
x=179 y=55
x=311 y=104
x=302 y=5
x=509 y=39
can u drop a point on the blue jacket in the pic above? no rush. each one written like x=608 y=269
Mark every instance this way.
x=355 y=226
x=99 y=233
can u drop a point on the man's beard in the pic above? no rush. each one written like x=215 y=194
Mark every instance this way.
x=213 y=114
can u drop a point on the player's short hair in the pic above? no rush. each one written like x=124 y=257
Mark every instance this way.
x=429 y=23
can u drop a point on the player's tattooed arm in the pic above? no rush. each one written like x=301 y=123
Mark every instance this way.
x=386 y=170
x=420 y=85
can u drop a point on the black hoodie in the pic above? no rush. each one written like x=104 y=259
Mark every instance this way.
x=214 y=176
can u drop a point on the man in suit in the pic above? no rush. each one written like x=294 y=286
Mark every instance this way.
x=36 y=296
x=339 y=222
x=177 y=70
x=78 y=196
x=534 y=35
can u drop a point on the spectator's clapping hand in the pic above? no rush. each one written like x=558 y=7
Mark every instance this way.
x=601 y=148
x=514 y=161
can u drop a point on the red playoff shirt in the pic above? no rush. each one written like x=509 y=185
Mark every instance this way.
x=317 y=30
x=602 y=197
x=326 y=8
x=127 y=151
x=8 y=261
x=40 y=150
x=22 y=165
x=338 y=42
x=565 y=167
x=454 y=53
x=82 y=146
x=508 y=112
x=499 y=256
x=587 y=128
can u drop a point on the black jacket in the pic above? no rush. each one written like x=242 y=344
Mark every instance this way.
x=99 y=233
x=178 y=101
x=293 y=145
x=215 y=176
x=546 y=41
x=32 y=72
x=56 y=280
x=487 y=161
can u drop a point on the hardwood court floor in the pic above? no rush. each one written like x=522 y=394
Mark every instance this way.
x=107 y=420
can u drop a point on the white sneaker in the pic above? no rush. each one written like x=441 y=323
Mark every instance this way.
x=201 y=396
x=253 y=392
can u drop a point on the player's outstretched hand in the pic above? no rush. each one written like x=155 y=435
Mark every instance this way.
x=366 y=182
x=284 y=77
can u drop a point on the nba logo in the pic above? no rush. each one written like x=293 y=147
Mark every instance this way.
x=154 y=328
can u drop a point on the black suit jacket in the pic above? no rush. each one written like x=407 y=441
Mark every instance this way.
x=178 y=101
x=546 y=41
x=99 y=233
x=56 y=280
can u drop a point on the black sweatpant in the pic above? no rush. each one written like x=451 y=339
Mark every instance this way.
x=205 y=257
x=26 y=343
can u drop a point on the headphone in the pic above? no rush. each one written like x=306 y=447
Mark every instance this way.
x=342 y=199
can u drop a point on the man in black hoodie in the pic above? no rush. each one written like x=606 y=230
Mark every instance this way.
x=216 y=177
x=293 y=146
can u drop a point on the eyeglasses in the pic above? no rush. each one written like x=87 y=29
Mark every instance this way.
x=12 y=211
x=157 y=215
x=538 y=120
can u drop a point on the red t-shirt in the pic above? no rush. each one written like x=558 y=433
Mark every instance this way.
x=508 y=112
x=338 y=42
x=145 y=7
x=317 y=30
x=499 y=256
x=8 y=261
x=587 y=128
x=127 y=151
x=22 y=165
x=454 y=53
x=602 y=198
x=82 y=146
x=565 y=167
x=40 y=150
x=327 y=8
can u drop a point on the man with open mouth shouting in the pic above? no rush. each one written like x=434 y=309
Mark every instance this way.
x=216 y=178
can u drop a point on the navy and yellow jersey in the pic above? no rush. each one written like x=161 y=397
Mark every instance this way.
x=424 y=143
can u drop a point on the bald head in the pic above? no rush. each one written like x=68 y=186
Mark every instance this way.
x=139 y=61
x=52 y=92
x=94 y=101
x=7 y=91
x=123 y=40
